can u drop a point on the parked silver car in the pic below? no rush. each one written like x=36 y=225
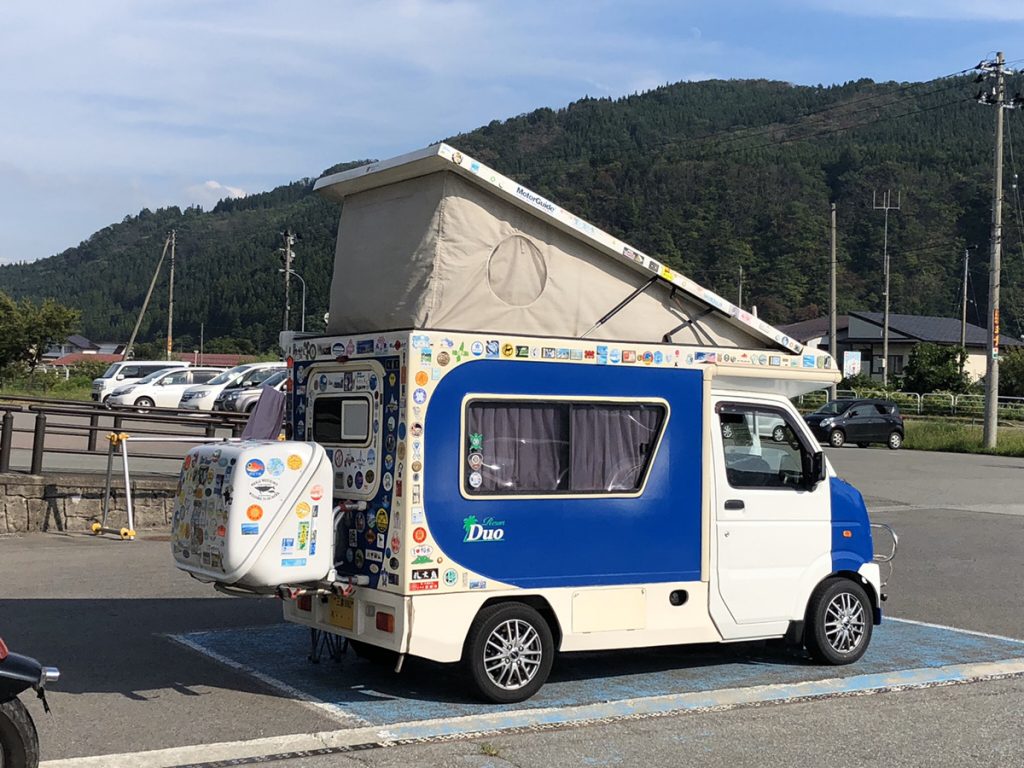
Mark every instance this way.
x=244 y=399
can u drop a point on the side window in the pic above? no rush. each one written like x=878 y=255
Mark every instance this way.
x=342 y=420
x=130 y=372
x=523 y=447
x=881 y=409
x=762 y=449
x=201 y=377
x=178 y=377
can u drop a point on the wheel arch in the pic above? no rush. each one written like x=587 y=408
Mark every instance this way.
x=849 y=575
x=538 y=603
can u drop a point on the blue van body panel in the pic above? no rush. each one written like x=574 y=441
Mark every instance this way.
x=566 y=542
x=849 y=513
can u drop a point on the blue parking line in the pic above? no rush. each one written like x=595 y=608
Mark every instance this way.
x=685 y=677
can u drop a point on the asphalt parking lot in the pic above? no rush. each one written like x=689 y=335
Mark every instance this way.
x=154 y=661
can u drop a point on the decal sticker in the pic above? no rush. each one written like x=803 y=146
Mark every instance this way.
x=417 y=517
x=419 y=396
x=316 y=492
x=382 y=520
x=302 y=510
x=360 y=558
x=294 y=461
x=303 y=535
x=416 y=430
x=451 y=577
x=476 y=442
x=475 y=461
x=419 y=535
x=256 y=468
x=488 y=530
x=424 y=574
x=477 y=584
x=287 y=546
x=293 y=562
x=396 y=545
x=372 y=555
x=250 y=529
x=522 y=351
x=275 y=467
x=264 y=489
x=443 y=358
x=387 y=481
x=254 y=512
x=475 y=480
x=422 y=586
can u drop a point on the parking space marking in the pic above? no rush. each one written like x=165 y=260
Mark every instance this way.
x=351 y=739
x=989 y=635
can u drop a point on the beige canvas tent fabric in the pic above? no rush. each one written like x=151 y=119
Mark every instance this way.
x=438 y=251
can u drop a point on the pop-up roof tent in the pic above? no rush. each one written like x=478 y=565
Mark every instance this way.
x=435 y=239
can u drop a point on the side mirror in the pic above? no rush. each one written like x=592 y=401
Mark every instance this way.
x=815 y=470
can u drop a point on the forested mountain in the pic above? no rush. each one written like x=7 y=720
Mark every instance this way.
x=707 y=176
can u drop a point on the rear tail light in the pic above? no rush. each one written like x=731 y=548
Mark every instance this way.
x=385 y=622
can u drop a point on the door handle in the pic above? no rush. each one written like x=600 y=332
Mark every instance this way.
x=734 y=504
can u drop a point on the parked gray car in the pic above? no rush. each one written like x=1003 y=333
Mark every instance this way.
x=244 y=399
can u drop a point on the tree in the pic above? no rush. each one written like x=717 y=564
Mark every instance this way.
x=1011 y=373
x=936 y=368
x=44 y=326
x=28 y=329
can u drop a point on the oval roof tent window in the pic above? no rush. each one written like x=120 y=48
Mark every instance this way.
x=516 y=271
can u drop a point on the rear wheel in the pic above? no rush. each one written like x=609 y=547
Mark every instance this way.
x=836 y=438
x=839 y=622
x=895 y=441
x=19 y=742
x=509 y=652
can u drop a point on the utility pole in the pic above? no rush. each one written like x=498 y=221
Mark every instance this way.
x=997 y=98
x=127 y=354
x=832 y=349
x=963 y=305
x=885 y=206
x=739 y=298
x=170 y=300
x=287 y=254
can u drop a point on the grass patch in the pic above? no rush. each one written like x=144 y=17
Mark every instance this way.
x=927 y=435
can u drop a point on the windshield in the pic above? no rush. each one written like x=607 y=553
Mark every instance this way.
x=229 y=375
x=277 y=378
x=109 y=373
x=834 y=406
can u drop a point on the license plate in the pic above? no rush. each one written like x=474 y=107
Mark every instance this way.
x=341 y=612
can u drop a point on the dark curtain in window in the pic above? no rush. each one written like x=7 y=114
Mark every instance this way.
x=525 y=447
x=611 y=445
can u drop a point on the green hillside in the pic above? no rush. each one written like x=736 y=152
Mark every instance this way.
x=706 y=176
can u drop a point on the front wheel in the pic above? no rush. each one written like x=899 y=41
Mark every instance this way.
x=19 y=742
x=895 y=441
x=144 y=402
x=509 y=652
x=839 y=622
x=778 y=434
x=836 y=438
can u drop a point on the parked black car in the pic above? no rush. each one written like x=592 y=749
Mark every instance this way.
x=857 y=421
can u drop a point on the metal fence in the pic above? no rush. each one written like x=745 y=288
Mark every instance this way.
x=924 y=404
x=75 y=427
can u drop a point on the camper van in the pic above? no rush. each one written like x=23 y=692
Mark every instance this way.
x=519 y=437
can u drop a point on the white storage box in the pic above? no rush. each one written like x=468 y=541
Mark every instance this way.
x=255 y=514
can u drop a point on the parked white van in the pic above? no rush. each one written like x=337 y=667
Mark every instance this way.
x=128 y=370
x=202 y=397
x=162 y=388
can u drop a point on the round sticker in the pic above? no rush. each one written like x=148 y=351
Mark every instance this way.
x=369 y=477
x=419 y=535
x=359 y=558
x=316 y=492
x=475 y=461
x=294 y=461
x=275 y=467
x=339 y=458
x=382 y=520
x=396 y=545
x=419 y=396
x=254 y=512
x=302 y=510
x=422 y=378
x=475 y=479
x=451 y=576
x=443 y=358
x=255 y=468
x=359 y=480
x=416 y=429
x=387 y=480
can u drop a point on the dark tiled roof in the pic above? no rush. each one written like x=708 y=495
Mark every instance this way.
x=939 y=330
x=81 y=342
x=813 y=328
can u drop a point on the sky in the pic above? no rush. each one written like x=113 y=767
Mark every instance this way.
x=112 y=106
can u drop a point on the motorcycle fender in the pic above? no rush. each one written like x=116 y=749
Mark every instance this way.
x=18 y=673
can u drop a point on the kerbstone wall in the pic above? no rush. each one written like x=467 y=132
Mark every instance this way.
x=73 y=502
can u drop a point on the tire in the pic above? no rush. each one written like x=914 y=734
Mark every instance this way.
x=863 y=445
x=250 y=407
x=779 y=434
x=19 y=742
x=144 y=402
x=509 y=652
x=895 y=441
x=839 y=622
x=836 y=438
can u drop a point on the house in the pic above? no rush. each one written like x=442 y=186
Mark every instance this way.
x=862 y=332
x=74 y=344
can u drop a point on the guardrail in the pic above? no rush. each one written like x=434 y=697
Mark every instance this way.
x=86 y=422
x=924 y=404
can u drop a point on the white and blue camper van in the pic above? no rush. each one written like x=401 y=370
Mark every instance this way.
x=520 y=436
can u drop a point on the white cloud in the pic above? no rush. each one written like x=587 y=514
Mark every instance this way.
x=209 y=193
